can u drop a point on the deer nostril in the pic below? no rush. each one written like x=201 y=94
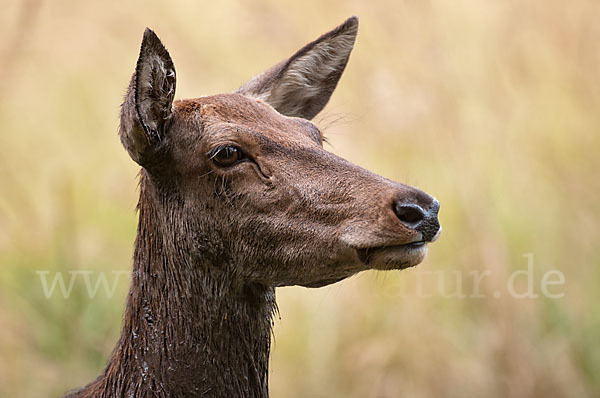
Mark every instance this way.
x=409 y=214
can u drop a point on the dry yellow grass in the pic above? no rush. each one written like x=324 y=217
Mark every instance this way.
x=493 y=107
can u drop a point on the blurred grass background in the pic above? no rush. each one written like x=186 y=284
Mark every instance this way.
x=493 y=107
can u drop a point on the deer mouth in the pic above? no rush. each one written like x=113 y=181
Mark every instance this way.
x=393 y=257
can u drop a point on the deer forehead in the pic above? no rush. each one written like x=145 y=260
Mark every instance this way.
x=237 y=114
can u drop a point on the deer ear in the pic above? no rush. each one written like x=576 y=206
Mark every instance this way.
x=302 y=85
x=147 y=110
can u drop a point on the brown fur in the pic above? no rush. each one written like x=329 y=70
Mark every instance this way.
x=213 y=242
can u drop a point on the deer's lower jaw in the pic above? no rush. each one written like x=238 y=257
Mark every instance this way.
x=393 y=257
x=323 y=282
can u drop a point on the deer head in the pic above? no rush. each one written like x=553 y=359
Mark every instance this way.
x=238 y=197
x=256 y=192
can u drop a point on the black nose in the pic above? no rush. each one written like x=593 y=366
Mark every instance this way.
x=410 y=215
x=415 y=217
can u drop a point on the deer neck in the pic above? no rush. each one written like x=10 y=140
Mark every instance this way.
x=188 y=330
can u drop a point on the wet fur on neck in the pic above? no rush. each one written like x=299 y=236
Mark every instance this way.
x=189 y=328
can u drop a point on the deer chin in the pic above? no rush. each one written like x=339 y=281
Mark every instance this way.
x=393 y=257
x=323 y=282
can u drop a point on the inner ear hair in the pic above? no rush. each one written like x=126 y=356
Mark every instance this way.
x=154 y=86
x=147 y=111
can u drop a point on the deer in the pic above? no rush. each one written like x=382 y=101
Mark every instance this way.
x=237 y=198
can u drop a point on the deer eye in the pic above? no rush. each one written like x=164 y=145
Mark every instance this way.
x=226 y=156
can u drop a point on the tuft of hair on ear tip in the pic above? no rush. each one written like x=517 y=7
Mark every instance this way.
x=151 y=41
x=149 y=34
x=151 y=44
x=350 y=24
x=353 y=20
